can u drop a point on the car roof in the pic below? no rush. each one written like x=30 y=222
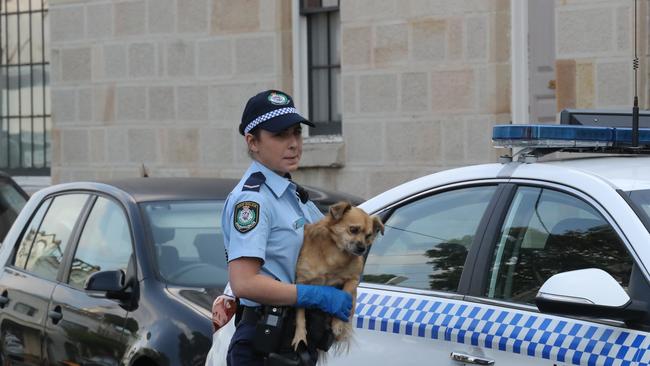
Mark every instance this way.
x=468 y=173
x=174 y=188
x=627 y=173
x=186 y=188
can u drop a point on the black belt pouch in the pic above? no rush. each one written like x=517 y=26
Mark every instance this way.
x=269 y=329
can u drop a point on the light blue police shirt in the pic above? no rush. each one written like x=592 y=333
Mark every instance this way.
x=263 y=218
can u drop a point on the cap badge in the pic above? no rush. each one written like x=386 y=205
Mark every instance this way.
x=278 y=99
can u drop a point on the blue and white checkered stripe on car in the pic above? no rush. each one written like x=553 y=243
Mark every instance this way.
x=537 y=335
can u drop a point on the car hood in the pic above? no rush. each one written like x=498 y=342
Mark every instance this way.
x=198 y=298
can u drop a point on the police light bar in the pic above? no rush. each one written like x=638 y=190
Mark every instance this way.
x=567 y=136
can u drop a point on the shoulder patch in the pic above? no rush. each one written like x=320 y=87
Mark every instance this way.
x=254 y=182
x=246 y=216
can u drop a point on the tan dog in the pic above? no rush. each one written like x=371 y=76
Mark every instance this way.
x=332 y=254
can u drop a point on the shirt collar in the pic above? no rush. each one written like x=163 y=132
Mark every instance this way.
x=277 y=183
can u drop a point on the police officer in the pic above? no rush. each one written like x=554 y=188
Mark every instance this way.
x=263 y=222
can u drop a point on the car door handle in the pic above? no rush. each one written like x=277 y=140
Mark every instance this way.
x=55 y=314
x=461 y=357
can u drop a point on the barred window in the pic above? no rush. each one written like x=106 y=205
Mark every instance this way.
x=324 y=64
x=25 y=121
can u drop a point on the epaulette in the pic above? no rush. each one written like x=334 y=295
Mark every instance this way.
x=254 y=182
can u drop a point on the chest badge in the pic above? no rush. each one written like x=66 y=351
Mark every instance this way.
x=299 y=223
x=246 y=216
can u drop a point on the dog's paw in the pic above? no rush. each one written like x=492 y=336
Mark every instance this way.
x=299 y=336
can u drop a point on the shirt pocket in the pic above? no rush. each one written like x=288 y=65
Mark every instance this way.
x=289 y=224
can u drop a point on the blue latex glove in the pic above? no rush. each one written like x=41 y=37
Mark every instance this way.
x=326 y=298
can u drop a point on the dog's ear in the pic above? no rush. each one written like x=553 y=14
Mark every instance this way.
x=337 y=210
x=377 y=225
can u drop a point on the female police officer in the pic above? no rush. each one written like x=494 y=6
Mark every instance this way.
x=263 y=222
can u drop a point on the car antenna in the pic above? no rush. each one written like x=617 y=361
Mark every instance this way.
x=635 y=108
x=143 y=172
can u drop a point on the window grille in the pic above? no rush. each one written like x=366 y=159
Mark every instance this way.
x=324 y=64
x=25 y=119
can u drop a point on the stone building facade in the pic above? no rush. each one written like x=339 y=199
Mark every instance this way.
x=162 y=83
x=595 y=49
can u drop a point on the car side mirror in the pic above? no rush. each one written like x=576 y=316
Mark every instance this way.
x=588 y=292
x=110 y=282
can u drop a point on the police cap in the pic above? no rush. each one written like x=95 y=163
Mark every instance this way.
x=271 y=110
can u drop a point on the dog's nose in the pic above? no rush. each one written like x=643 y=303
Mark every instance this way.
x=360 y=249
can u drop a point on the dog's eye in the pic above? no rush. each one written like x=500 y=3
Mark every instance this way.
x=354 y=230
x=368 y=237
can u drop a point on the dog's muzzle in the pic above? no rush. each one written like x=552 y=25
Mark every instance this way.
x=359 y=249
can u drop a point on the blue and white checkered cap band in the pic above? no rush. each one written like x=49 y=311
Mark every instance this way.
x=268 y=116
x=542 y=336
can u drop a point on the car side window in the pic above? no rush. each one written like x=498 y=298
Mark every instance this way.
x=548 y=232
x=52 y=238
x=22 y=252
x=105 y=242
x=426 y=242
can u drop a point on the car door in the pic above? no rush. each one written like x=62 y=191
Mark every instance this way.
x=548 y=230
x=415 y=277
x=88 y=329
x=29 y=277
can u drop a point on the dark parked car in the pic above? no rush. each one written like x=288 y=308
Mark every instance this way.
x=12 y=200
x=120 y=273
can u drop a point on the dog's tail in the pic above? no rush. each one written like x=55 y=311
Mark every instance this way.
x=339 y=348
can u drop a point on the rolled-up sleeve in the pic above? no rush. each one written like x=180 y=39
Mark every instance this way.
x=247 y=225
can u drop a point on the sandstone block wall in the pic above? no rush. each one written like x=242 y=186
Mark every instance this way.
x=163 y=83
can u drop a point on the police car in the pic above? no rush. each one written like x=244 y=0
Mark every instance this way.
x=538 y=259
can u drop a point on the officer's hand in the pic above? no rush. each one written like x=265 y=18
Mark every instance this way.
x=326 y=298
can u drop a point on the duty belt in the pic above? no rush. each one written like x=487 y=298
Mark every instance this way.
x=248 y=314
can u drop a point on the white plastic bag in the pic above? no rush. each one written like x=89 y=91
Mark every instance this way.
x=220 y=342
x=223 y=310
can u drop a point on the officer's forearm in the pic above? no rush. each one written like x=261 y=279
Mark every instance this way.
x=246 y=282
x=265 y=290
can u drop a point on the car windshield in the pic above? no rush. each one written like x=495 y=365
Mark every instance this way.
x=187 y=241
x=641 y=199
x=11 y=202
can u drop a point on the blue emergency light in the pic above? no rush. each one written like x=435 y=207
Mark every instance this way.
x=565 y=137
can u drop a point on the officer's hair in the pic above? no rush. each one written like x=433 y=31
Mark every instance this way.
x=256 y=133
